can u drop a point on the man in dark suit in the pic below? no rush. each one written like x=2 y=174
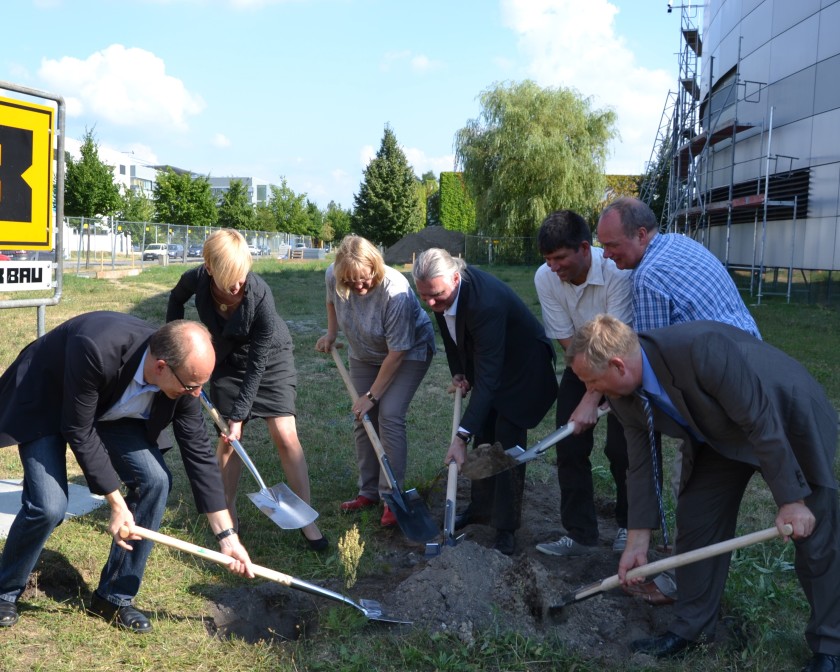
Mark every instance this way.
x=741 y=406
x=497 y=349
x=108 y=384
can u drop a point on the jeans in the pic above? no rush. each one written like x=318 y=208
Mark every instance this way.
x=147 y=481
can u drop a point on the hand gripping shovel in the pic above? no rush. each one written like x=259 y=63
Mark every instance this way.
x=370 y=608
x=669 y=563
x=449 y=538
x=483 y=465
x=279 y=503
x=412 y=514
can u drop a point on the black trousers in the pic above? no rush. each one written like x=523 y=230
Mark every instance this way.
x=499 y=497
x=574 y=470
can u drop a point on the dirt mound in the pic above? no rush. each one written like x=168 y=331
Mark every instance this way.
x=403 y=251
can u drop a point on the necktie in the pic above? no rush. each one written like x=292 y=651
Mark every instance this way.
x=654 y=455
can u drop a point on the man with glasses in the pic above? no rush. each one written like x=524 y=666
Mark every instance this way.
x=107 y=385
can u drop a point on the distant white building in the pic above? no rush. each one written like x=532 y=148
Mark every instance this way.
x=259 y=191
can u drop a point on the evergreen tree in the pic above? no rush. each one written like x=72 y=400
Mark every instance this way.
x=89 y=188
x=386 y=207
x=235 y=210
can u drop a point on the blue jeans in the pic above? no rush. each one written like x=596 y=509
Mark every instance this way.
x=147 y=481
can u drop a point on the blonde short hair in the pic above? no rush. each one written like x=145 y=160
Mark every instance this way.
x=600 y=340
x=356 y=256
x=227 y=257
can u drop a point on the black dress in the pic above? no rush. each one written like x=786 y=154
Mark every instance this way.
x=255 y=373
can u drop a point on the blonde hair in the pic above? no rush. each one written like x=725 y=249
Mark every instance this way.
x=600 y=340
x=356 y=256
x=227 y=257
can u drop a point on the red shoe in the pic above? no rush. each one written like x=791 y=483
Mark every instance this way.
x=361 y=502
x=388 y=518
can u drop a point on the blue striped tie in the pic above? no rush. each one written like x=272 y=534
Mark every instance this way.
x=657 y=480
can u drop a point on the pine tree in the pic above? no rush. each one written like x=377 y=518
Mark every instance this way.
x=386 y=207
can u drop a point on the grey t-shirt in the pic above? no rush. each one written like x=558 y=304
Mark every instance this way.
x=388 y=318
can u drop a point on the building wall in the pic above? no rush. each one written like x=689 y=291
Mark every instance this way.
x=787 y=54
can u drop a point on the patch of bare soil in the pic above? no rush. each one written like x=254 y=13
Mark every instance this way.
x=404 y=250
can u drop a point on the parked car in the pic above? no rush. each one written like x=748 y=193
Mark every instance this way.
x=155 y=251
x=175 y=251
x=254 y=250
x=18 y=255
x=195 y=250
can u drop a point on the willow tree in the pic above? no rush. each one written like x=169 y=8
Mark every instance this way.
x=531 y=151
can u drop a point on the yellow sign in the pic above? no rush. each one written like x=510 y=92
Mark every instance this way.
x=26 y=175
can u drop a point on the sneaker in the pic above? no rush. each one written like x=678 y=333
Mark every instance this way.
x=620 y=541
x=565 y=546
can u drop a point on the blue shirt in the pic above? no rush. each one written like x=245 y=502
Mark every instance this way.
x=679 y=280
x=136 y=401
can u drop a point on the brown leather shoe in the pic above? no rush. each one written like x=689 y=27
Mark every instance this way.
x=650 y=593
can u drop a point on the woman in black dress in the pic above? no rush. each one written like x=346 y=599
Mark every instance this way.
x=255 y=374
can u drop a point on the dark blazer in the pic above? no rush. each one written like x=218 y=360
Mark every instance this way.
x=62 y=382
x=251 y=337
x=502 y=350
x=750 y=402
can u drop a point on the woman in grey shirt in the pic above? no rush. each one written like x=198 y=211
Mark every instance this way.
x=391 y=341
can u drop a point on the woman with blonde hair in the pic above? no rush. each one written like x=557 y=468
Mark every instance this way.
x=391 y=341
x=255 y=374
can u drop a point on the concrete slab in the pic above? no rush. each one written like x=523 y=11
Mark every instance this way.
x=81 y=502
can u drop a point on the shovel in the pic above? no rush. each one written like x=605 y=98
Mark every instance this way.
x=449 y=538
x=410 y=510
x=370 y=608
x=279 y=503
x=489 y=464
x=669 y=563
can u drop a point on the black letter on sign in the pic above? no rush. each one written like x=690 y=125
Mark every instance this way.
x=15 y=160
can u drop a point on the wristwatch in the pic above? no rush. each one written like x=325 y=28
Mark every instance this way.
x=370 y=396
x=466 y=437
x=224 y=534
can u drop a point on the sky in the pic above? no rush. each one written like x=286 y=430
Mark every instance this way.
x=303 y=89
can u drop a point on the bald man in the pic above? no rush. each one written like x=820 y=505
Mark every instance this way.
x=107 y=385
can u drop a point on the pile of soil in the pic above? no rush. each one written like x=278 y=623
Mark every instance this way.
x=404 y=250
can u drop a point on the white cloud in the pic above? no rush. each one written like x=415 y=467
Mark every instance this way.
x=419 y=63
x=366 y=154
x=422 y=163
x=573 y=44
x=221 y=140
x=123 y=86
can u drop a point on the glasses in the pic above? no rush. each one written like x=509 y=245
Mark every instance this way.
x=187 y=388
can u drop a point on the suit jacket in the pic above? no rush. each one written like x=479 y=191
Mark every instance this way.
x=749 y=401
x=253 y=336
x=61 y=383
x=502 y=350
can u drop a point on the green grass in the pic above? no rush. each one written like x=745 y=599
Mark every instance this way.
x=762 y=599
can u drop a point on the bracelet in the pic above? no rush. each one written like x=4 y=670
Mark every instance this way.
x=224 y=534
x=464 y=436
x=370 y=396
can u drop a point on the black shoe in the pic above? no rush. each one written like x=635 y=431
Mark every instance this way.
x=666 y=646
x=317 y=545
x=8 y=614
x=469 y=518
x=505 y=542
x=125 y=617
x=822 y=662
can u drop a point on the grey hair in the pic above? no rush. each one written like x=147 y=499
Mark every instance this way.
x=435 y=262
x=633 y=215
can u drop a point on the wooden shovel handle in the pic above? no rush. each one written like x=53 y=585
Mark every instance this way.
x=682 y=559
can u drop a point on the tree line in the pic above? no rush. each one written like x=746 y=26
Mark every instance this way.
x=531 y=151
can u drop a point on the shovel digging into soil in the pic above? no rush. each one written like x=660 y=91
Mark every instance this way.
x=449 y=538
x=487 y=460
x=658 y=566
x=279 y=503
x=411 y=512
x=370 y=608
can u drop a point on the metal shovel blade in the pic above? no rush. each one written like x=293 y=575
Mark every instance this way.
x=412 y=514
x=279 y=503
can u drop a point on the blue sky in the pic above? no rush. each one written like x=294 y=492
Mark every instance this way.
x=303 y=89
